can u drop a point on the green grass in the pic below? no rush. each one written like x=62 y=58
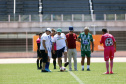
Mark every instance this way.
x=28 y=74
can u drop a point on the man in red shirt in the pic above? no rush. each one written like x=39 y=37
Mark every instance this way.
x=109 y=48
x=71 y=44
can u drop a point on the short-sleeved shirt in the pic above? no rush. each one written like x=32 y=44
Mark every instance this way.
x=38 y=43
x=60 y=41
x=48 y=42
x=54 y=43
x=85 y=41
x=71 y=40
x=107 y=40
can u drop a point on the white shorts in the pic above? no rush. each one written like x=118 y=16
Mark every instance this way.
x=65 y=50
x=49 y=49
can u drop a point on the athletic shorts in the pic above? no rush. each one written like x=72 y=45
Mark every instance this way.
x=38 y=54
x=108 y=53
x=60 y=52
x=85 y=53
x=54 y=56
x=44 y=56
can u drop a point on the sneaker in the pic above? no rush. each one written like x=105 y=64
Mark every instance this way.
x=82 y=69
x=65 y=65
x=75 y=70
x=111 y=72
x=48 y=70
x=88 y=69
x=44 y=71
x=70 y=69
x=54 y=67
x=106 y=73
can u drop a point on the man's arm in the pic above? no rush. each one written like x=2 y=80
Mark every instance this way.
x=78 y=39
x=115 y=45
x=92 y=46
x=43 y=42
x=53 y=48
x=66 y=43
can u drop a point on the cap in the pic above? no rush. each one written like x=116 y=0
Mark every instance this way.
x=71 y=28
x=86 y=28
x=48 y=29
x=59 y=30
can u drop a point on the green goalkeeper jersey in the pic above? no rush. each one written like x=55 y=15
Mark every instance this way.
x=85 y=41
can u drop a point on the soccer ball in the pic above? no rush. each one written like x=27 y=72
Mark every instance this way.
x=62 y=69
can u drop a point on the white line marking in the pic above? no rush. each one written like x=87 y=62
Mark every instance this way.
x=76 y=78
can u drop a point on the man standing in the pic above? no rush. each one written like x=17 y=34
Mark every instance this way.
x=71 y=44
x=38 y=52
x=109 y=44
x=86 y=38
x=46 y=49
x=60 y=40
x=54 y=55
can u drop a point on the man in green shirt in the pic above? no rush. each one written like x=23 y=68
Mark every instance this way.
x=86 y=39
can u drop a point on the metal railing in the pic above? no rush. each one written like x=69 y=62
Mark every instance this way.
x=62 y=17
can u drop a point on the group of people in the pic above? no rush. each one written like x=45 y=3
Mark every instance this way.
x=53 y=43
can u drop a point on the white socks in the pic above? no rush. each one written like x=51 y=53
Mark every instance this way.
x=88 y=66
x=82 y=66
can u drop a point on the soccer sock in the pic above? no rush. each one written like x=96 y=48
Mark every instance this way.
x=54 y=63
x=37 y=63
x=61 y=62
x=107 y=66
x=82 y=66
x=41 y=63
x=47 y=65
x=111 y=65
x=88 y=66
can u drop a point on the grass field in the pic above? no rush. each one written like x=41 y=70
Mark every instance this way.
x=28 y=74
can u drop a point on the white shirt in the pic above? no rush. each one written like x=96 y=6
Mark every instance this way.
x=48 y=42
x=60 y=41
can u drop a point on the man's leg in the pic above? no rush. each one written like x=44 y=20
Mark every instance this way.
x=65 y=57
x=82 y=62
x=75 y=59
x=54 y=63
x=69 y=59
x=82 y=59
x=37 y=63
x=59 y=61
x=40 y=63
x=111 y=66
x=107 y=67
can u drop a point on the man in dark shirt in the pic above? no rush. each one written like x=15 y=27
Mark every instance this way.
x=71 y=44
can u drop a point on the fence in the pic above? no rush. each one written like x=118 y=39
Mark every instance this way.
x=62 y=17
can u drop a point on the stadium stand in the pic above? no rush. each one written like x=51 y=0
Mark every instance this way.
x=66 y=7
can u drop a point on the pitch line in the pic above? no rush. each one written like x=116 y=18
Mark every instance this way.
x=76 y=78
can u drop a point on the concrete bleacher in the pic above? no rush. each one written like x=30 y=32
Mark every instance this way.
x=109 y=6
x=66 y=7
x=23 y=7
x=15 y=45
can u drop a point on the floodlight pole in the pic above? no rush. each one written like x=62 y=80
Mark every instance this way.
x=14 y=9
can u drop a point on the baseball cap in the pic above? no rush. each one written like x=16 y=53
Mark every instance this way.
x=48 y=29
x=59 y=30
x=71 y=28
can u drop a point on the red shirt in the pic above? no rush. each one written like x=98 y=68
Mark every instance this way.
x=107 y=40
x=71 y=40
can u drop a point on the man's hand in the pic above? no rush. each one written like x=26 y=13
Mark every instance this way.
x=53 y=51
x=46 y=51
x=92 y=50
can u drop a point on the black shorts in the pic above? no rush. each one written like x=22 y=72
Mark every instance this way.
x=38 y=54
x=44 y=56
x=60 y=52
x=54 y=56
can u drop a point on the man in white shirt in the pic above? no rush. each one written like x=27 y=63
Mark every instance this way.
x=60 y=40
x=45 y=49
